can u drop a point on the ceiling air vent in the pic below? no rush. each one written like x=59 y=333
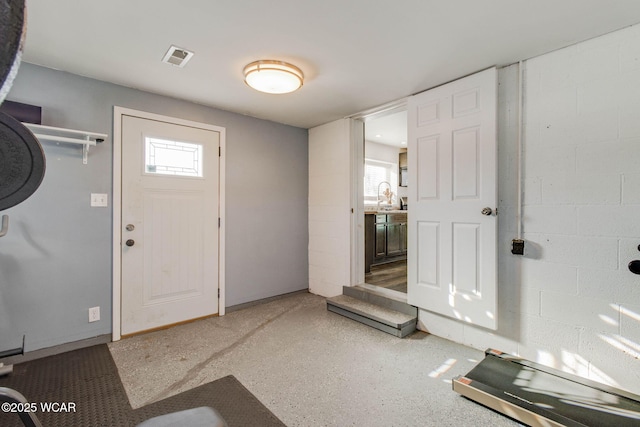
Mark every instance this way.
x=177 y=56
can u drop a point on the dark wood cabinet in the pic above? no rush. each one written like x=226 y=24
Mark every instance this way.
x=385 y=238
x=381 y=241
x=394 y=239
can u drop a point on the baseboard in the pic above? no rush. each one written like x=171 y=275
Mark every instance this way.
x=263 y=301
x=57 y=349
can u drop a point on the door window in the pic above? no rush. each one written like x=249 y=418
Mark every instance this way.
x=177 y=158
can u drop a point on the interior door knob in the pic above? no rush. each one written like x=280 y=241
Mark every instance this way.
x=130 y=227
x=130 y=242
x=487 y=211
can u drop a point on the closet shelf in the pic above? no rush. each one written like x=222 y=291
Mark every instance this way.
x=70 y=136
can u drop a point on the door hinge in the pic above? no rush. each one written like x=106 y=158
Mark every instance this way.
x=219 y=151
x=218 y=222
x=218 y=292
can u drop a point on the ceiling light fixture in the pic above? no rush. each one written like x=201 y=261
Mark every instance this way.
x=273 y=76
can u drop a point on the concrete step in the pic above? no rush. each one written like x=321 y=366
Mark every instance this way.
x=385 y=319
x=381 y=297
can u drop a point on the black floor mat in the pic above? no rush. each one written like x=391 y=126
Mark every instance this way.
x=89 y=379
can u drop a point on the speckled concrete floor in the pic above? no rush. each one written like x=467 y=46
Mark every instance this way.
x=309 y=366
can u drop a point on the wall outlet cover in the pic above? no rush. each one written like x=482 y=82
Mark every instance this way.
x=94 y=314
x=99 y=200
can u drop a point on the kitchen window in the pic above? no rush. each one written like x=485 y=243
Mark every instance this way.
x=375 y=172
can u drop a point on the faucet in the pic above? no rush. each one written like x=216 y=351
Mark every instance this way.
x=379 y=185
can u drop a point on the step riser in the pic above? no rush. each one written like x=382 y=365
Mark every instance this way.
x=401 y=333
x=380 y=300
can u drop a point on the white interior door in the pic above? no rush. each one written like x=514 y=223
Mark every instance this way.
x=170 y=198
x=452 y=257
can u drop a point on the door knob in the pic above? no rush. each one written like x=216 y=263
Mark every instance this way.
x=487 y=211
x=130 y=227
x=130 y=242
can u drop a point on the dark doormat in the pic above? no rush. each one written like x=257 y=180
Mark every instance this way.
x=88 y=378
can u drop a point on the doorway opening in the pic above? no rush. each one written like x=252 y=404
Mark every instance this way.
x=384 y=197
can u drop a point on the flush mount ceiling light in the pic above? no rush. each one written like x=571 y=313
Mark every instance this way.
x=273 y=76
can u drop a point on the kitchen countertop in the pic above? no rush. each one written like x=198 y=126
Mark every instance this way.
x=382 y=212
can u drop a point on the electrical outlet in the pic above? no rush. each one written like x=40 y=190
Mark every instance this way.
x=99 y=200
x=94 y=314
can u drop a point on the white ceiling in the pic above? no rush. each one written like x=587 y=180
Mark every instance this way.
x=389 y=129
x=355 y=54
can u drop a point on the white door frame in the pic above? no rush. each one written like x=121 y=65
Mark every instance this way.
x=116 y=207
x=357 y=184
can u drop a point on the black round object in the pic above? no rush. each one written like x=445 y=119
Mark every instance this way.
x=22 y=162
x=634 y=266
x=12 y=35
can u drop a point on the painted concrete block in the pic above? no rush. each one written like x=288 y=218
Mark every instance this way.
x=597 y=59
x=558 y=103
x=324 y=228
x=611 y=359
x=326 y=260
x=322 y=190
x=549 y=276
x=330 y=245
x=545 y=160
x=543 y=333
x=602 y=157
x=614 y=221
x=606 y=41
x=558 y=69
x=550 y=219
x=507 y=220
x=584 y=188
x=597 y=96
x=597 y=126
x=530 y=301
x=532 y=190
x=617 y=286
x=627 y=99
x=630 y=154
x=549 y=60
x=593 y=252
x=557 y=132
x=630 y=185
x=327 y=213
x=629 y=123
x=630 y=324
x=596 y=314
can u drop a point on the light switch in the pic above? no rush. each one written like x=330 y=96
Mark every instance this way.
x=99 y=200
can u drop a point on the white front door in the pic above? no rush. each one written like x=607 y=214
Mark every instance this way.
x=169 y=228
x=452 y=257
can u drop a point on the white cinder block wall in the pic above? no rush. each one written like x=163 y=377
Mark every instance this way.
x=571 y=301
x=329 y=208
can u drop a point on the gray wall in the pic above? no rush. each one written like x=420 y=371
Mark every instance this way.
x=56 y=261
